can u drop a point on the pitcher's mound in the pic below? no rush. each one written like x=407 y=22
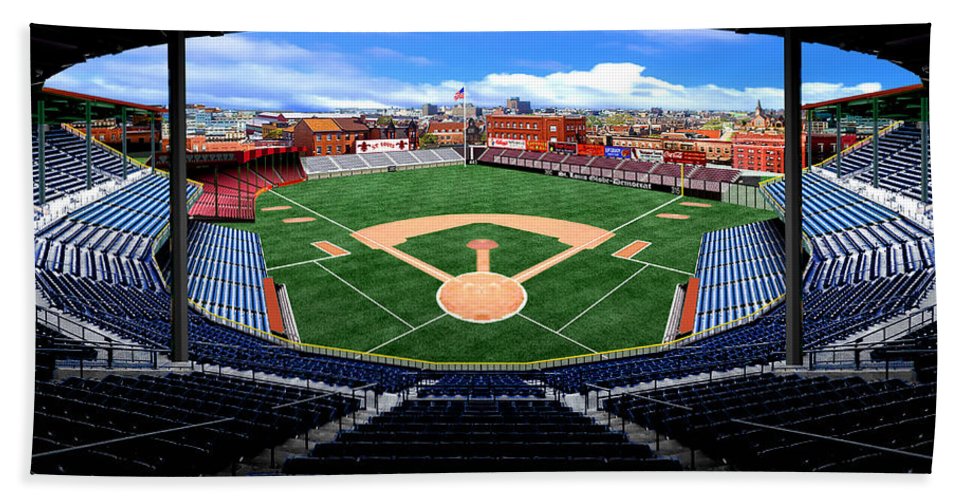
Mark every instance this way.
x=276 y=208
x=672 y=216
x=481 y=297
x=296 y=220
x=695 y=204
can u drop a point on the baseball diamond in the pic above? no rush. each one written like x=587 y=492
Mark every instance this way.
x=482 y=264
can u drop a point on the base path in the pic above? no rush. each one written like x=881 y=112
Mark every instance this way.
x=573 y=234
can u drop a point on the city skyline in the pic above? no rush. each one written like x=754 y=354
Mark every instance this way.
x=675 y=70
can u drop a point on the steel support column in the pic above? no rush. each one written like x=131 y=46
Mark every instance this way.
x=792 y=56
x=924 y=147
x=876 y=142
x=809 y=139
x=177 y=196
x=124 y=142
x=41 y=151
x=87 y=144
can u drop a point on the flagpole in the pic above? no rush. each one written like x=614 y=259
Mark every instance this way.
x=466 y=160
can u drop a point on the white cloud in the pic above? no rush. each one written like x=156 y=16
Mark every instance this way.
x=247 y=72
x=386 y=53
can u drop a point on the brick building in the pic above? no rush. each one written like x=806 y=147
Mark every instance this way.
x=446 y=133
x=761 y=152
x=824 y=146
x=330 y=136
x=540 y=128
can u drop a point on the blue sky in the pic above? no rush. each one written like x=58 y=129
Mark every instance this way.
x=684 y=69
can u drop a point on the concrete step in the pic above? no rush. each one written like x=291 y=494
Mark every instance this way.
x=270 y=460
x=661 y=445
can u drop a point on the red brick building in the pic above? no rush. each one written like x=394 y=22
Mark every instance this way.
x=446 y=133
x=330 y=136
x=540 y=128
x=824 y=146
x=762 y=152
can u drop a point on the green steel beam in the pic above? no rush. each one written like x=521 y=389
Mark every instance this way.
x=124 y=142
x=839 y=140
x=876 y=143
x=152 y=144
x=809 y=138
x=924 y=146
x=87 y=142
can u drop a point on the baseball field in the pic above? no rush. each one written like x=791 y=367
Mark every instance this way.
x=481 y=264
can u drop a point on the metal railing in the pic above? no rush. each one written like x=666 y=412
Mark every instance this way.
x=206 y=424
x=741 y=422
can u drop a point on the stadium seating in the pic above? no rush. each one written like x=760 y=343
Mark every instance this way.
x=233 y=190
x=76 y=412
x=829 y=315
x=740 y=272
x=899 y=162
x=918 y=346
x=665 y=174
x=888 y=414
x=53 y=347
x=715 y=174
x=225 y=273
x=481 y=386
x=828 y=207
x=478 y=436
x=141 y=316
x=321 y=165
x=65 y=164
x=112 y=238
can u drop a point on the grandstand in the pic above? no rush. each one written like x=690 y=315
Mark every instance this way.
x=698 y=178
x=251 y=397
x=320 y=167
x=229 y=189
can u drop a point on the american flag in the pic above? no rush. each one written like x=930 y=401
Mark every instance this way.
x=458 y=95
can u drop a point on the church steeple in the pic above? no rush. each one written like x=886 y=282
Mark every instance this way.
x=758 y=107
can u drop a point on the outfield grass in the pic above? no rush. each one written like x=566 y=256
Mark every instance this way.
x=370 y=299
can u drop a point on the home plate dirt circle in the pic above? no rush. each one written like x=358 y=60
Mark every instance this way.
x=481 y=297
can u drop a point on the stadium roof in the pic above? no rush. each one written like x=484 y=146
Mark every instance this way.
x=902 y=103
x=56 y=48
x=906 y=45
x=65 y=106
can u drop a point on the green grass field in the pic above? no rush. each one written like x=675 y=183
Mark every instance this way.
x=371 y=301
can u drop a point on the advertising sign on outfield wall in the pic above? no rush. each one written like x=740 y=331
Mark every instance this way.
x=540 y=146
x=652 y=155
x=617 y=152
x=506 y=143
x=563 y=147
x=591 y=149
x=382 y=145
x=685 y=157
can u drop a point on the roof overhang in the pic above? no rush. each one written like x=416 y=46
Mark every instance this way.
x=906 y=45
